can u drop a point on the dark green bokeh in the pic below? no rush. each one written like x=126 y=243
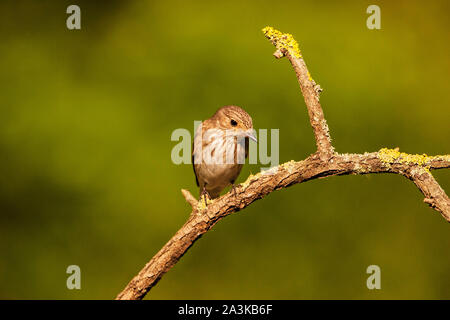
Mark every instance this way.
x=86 y=174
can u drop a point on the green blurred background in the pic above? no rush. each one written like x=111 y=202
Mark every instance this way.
x=86 y=174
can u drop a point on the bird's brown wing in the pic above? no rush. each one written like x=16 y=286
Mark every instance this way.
x=193 y=165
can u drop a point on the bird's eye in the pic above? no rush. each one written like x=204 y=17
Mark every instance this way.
x=233 y=123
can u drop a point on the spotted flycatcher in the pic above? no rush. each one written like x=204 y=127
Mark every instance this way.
x=220 y=148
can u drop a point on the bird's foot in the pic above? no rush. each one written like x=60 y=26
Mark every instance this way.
x=205 y=197
x=233 y=189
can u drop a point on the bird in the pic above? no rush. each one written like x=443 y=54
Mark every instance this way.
x=220 y=146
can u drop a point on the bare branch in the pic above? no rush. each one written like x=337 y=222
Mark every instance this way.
x=324 y=163
x=435 y=196
x=189 y=198
x=287 y=46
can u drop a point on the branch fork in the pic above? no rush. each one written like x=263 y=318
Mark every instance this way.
x=325 y=162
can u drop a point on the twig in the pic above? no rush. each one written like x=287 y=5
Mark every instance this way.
x=324 y=163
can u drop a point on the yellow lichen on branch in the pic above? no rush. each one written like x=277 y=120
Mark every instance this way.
x=203 y=203
x=284 y=42
x=251 y=177
x=391 y=156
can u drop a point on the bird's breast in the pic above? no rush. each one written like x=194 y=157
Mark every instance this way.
x=218 y=159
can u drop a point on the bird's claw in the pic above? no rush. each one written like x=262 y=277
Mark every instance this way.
x=233 y=189
x=204 y=196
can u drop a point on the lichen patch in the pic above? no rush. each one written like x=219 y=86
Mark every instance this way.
x=282 y=41
x=391 y=156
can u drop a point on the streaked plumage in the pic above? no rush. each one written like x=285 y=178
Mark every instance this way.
x=220 y=148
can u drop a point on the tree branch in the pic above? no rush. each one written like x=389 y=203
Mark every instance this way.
x=324 y=163
x=287 y=46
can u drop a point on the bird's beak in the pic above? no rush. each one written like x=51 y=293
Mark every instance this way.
x=251 y=135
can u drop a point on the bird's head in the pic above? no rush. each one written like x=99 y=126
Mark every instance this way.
x=235 y=120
